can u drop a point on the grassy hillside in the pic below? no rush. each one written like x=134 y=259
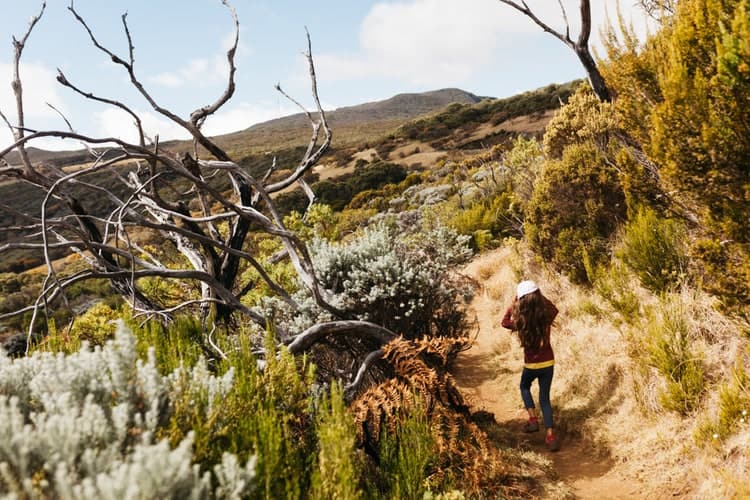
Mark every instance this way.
x=383 y=125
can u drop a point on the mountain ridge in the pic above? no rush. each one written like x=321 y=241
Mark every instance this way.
x=386 y=113
x=406 y=106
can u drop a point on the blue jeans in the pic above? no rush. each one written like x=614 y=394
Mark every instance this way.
x=545 y=382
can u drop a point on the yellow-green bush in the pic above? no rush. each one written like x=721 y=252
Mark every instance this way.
x=267 y=412
x=613 y=284
x=669 y=348
x=95 y=326
x=683 y=98
x=654 y=248
x=406 y=455
x=485 y=220
x=336 y=473
x=577 y=205
x=733 y=409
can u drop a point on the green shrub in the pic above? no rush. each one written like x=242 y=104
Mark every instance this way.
x=683 y=97
x=524 y=162
x=376 y=175
x=577 y=205
x=336 y=474
x=669 y=349
x=406 y=454
x=320 y=220
x=267 y=413
x=174 y=345
x=734 y=408
x=613 y=284
x=336 y=194
x=654 y=249
x=484 y=220
x=96 y=325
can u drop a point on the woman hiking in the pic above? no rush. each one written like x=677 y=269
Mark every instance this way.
x=531 y=314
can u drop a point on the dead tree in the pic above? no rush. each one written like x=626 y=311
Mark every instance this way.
x=580 y=45
x=170 y=196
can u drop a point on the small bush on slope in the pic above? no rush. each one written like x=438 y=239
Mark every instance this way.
x=670 y=348
x=337 y=471
x=577 y=206
x=400 y=280
x=84 y=426
x=655 y=249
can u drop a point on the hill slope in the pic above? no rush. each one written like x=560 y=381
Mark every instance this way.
x=359 y=121
x=350 y=124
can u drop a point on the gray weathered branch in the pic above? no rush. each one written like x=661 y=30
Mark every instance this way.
x=579 y=46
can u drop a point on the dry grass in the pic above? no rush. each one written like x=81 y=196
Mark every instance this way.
x=605 y=399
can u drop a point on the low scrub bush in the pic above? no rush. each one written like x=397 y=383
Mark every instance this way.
x=337 y=469
x=614 y=283
x=85 y=425
x=577 y=205
x=670 y=348
x=407 y=454
x=340 y=192
x=485 y=220
x=654 y=249
x=733 y=409
x=267 y=414
x=401 y=280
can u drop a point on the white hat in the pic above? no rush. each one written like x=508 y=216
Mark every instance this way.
x=525 y=288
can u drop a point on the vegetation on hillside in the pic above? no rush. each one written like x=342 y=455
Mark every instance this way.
x=634 y=208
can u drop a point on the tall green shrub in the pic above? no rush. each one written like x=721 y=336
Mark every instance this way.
x=405 y=456
x=336 y=474
x=683 y=96
x=655 y=250
x=267 y=414
x=669 y=347
x=577 y=205
x=733 y=410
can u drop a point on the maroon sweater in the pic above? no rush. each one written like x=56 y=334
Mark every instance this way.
x=536 y=357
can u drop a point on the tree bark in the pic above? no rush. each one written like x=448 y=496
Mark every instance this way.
x=580 y=46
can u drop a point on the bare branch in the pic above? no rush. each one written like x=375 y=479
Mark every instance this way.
x=362 y=329
x=313 y=154
x=88 y=95
x=198 y=116
x=18 y=46
x=580 y=46
x=355 y=384
x=526 y=11
x=129 y=67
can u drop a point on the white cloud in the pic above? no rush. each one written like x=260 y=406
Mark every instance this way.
x=242 y=116
x=39 y=88
x=114 y=122
x=201 y=71
x=431 y=42
x=421 y=41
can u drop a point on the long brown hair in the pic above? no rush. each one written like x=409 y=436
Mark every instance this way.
x=531 y=319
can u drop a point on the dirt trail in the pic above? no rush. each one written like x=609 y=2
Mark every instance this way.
x=489 y=373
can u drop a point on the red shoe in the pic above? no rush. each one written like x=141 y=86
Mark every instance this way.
x=531 y=426
x=552 y=443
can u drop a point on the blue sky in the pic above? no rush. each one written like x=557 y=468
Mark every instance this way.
x=364 y=50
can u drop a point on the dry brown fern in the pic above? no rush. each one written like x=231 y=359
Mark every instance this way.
x=466 y=456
